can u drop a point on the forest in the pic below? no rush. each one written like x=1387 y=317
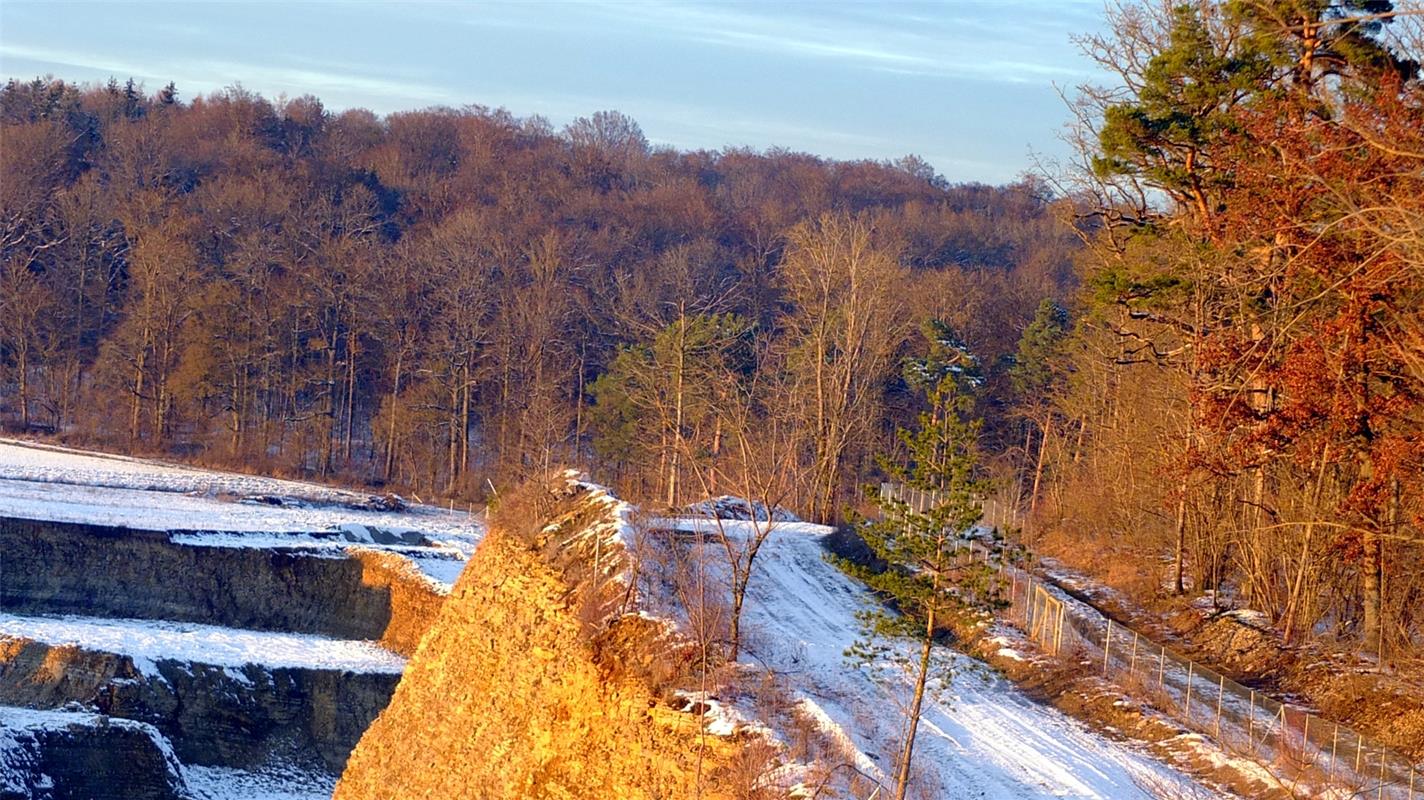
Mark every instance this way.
x=1195 y=352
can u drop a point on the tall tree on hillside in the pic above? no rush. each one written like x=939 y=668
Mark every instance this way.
x=142 y=355
x=841 y=335
x=25 y=306
x=656 y=403
x=920 y=545
x=1265 y=291
x=1037 y=375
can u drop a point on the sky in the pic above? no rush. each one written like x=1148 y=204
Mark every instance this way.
x=970 y=85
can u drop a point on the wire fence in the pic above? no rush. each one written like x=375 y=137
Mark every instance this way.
x=1303 y=753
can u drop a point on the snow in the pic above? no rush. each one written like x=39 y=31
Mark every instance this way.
x=719 y=718
x=1198 y=745
x=41 y=482
x=984 y=738
x=149 y=641
x=57 y=484
x=729 y=507
x=272 y=783
x=620 y=527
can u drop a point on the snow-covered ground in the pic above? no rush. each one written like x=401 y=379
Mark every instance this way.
x=150 y=641
x=216 y=508
x=272 y=783
x=983 y=739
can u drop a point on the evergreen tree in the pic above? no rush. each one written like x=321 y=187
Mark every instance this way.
x=655 y=400
x=920 y=545
x=1037 y=375
x=1037 y=370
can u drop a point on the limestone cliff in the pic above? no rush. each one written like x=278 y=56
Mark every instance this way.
x=111 y=571
x=231 y=717
x=537 y=681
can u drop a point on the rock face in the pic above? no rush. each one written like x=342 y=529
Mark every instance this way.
x=58 y=567
x=532 y=683
x=66 y=756
x=244 y=717
x=231 y=717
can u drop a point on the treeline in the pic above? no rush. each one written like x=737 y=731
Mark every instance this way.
x=1239 y=408
x=440 y=297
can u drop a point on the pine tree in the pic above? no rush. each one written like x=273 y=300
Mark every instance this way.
x=1037 y=375
x=920 y=545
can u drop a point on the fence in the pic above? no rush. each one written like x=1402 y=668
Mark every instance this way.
x=1304 y=752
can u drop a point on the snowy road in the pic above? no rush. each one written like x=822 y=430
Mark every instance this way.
x=985 y=740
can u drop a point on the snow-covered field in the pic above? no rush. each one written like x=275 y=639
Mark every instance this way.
x=984 y=739
x=149 y=641
x=45 y=482
x=214 y=508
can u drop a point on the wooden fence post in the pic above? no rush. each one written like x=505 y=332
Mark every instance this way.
x=1334 y=745
x=1058 y=640
x=1187 y=709
x=1380 y=794
x=1251 y=724
x=1032 y=598
x=1107 y=648
x=1161 y=670
x=1281 y=740
x=1220 y=690
x=1132 y=666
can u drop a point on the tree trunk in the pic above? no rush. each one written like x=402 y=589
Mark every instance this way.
x=902 y=780
x=465 y=420
x=1370 y=625
x=1179 y=564
x=24 y=365
x=674 y=462
x=350 y=395
x=1047 y=429
x=391 y=429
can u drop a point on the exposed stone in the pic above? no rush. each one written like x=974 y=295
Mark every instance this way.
x=58 y=567
x=531 y=685
x=71 y=756
x=233 y=717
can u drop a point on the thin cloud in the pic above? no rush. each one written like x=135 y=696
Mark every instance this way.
x=906 y=43
x=210 y=74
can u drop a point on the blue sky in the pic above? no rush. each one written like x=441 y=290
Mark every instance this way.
x=967 y=84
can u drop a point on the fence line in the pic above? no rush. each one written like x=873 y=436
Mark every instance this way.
x=1301 y=749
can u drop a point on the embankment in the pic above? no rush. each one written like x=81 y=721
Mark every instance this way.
x=536 y=681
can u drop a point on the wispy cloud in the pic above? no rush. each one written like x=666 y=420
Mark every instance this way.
x=208 y=74
x=889 y=38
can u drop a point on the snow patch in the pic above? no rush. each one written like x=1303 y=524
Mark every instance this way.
x=270 y=783
x=148 y=642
